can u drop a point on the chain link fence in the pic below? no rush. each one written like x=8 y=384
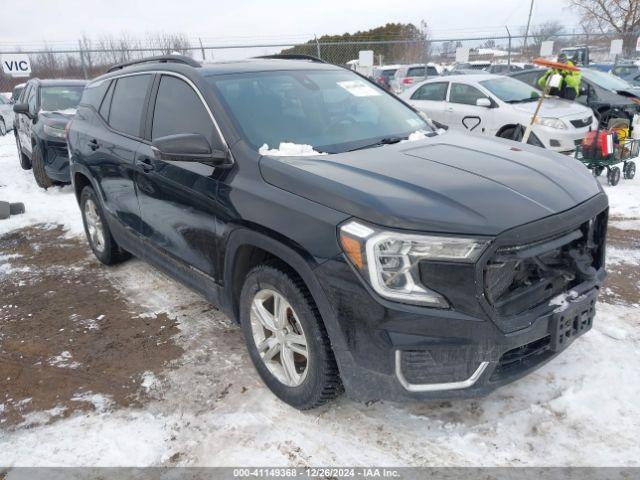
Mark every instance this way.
x=91 y=59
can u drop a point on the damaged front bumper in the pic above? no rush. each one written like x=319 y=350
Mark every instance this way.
x=403 y=352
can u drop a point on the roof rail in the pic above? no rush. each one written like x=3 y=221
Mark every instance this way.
x=293 y=56
x=159 y=59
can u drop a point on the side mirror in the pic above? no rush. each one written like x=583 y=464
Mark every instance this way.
x=483 y=102
x=189 y=147
x=22 y=108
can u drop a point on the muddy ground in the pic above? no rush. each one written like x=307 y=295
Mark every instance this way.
x=67 y=333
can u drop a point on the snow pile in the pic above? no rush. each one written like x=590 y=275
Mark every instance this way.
x=287 y=149
x=100 y=402
x=624 y=202
x=149 y=381
x=63 y=361
x=414 y=136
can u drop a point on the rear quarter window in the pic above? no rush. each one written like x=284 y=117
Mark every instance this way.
x=128 y=102
x=94 y=93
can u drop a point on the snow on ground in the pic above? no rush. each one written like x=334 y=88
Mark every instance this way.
x=54 y=206
x=210 y=408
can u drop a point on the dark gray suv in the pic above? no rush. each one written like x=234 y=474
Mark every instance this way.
x=356 y=246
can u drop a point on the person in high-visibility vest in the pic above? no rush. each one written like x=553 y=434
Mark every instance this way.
x=570 y=83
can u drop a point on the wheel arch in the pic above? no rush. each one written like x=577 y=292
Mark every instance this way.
x=246 y=248
x=81 y=177
x=502 y=129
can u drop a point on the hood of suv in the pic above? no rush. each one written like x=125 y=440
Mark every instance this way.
x=57 y=119
x=450 y=183
x=554 y=108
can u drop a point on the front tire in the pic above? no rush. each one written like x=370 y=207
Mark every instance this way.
x=613 y=176
x=25 y=163
x=3 y=127
x=286 y=338
x=97 y=230
x=39 y=172
x=516 y=134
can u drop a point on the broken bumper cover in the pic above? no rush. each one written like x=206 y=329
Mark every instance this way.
x=398 y=351
x=413 y=355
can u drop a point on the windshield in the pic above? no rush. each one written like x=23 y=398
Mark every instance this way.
x=605 y=80
x=333 y=111
x=60 y=97
x=510 y=90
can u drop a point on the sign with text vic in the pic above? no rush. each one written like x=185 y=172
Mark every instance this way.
x=16 y=64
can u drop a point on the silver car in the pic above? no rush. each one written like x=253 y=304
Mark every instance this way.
x=408 y=75
x=495 y=105
x=6 y=116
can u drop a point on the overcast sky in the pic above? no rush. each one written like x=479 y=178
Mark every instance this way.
x=34 y=22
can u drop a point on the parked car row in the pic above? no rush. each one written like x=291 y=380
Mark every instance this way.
x=496 y=105
x=358 y=247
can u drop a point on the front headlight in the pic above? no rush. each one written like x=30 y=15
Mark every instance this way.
x=551 y=123
x=389 y=260
x=54 y=132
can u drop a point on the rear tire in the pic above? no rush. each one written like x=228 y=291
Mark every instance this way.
x=25 y=163
x=516 y=134
x=3 y=127
x=39 y=173
x=97 y=230
x=629 y=170
x=308 y=379
x=613 y=176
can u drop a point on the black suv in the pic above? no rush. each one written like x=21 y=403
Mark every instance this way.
x=354 y=244
x=42 y=113
x=609 y=96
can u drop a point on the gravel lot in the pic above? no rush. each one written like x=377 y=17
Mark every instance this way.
x=123 y=366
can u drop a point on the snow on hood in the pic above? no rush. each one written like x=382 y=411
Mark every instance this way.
x=287 y=149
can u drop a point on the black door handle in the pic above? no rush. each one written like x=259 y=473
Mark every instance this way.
x=93 y=144
x=145 y=164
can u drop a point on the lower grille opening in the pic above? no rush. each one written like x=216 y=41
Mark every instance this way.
x=518 y=278
x=523 y=357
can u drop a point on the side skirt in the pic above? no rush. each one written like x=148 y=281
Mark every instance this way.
x=191 y=277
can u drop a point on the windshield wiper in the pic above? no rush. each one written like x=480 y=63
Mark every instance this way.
x=524 y=100
x=379 y=143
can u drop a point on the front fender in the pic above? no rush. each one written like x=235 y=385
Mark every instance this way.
x=242 y=237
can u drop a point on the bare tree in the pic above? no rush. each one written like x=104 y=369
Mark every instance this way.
x=620 y=16
x=546 y=31
x=166 y=43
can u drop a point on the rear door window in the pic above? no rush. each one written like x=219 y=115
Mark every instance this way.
x=465 y=94
x=436 y=92
x=128 y=102
x=179 y=110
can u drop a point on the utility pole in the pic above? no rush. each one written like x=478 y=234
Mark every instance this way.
x=202 y=49
x=526 y=32
x=82 y=64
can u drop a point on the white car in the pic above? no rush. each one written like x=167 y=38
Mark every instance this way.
x=501 y=106
x=6 y=115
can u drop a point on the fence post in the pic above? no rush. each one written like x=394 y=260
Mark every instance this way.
x=508 y=49
x=202 y=49
x=317 y=47
x=82 y=64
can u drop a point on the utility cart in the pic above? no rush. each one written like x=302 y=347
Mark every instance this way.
x=606 y=149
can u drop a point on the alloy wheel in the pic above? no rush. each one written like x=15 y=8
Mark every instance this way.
x=279 y=337
x=94 y=225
